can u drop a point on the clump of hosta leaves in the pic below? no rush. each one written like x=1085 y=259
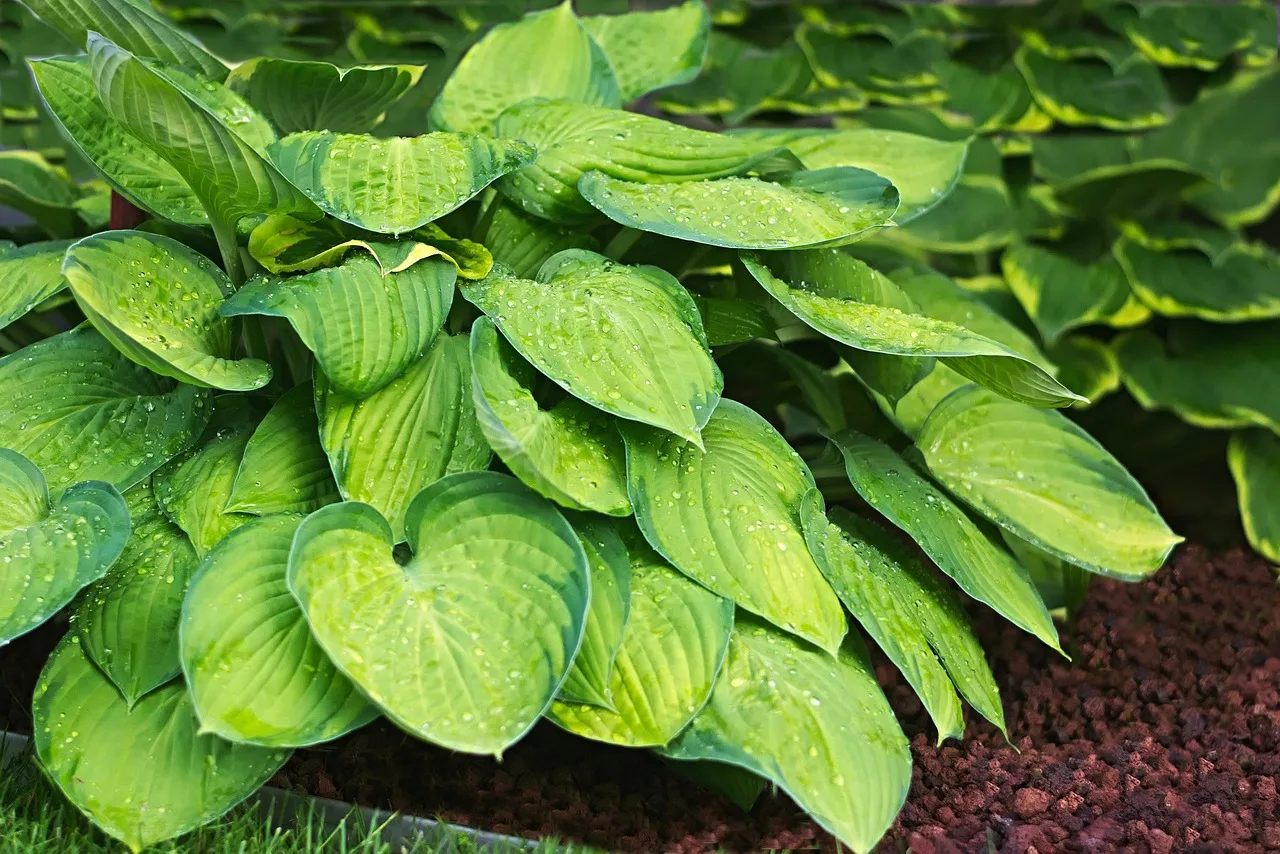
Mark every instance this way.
x=517 y=418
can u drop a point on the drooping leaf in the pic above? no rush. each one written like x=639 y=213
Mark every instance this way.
x=734 y=782
x=394 y=185
x=570 y=453
x=947 y=535
x=729 y=518
x=821 y=730
x=284 y=468
x=31 y=274
x=51 y=550
x=389 y=446
x=298 y=95
x=157 y=301
x=523 y=243
x=554 y=56
x=627 y=340
x=917 y=621
x=672 y=650
x=1254 y=458
x=37 y=188
x=1059 y=294
x=467 y=643
x=127 y=621
x=255 y=673
x=592 y=672
x=650 y=50
x=364 y=325
x=820 y=207
x=143 y=774
x=80 y=410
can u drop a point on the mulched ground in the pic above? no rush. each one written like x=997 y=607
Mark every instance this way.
x=1163 y=736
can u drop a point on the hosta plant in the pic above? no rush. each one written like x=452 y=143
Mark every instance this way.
x=552 y=410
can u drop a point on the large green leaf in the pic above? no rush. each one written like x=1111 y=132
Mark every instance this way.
x=255 y=672
x=157 y=301
x=1059 y=293
x=284 y=468
x=299 y=95
x=557 y=59
x=672 y=650
x=740 y=79
x=848 y=301
x=893 y=70
x=947 y=535
x=31 y=274
x=1087 y=366
x=820 y=207
x=573 y=139
x=650 y=50
x=729 y=518
x=915 y=619
x=364 y=325
x=142 y=774
x=466 y=644
x=1254 y=458
x=44 y=192
x=394 y=185
x=1040 y=476
x=127 y=621
x=80 y=410
x=1194 y=35
x=978 y=216
x=523 y=243
x=820 y=729
x=627 y=340
x=570 y=453
x=1108 y=174
x=387 y=447
x=981 y=98
x=593 y=667
x=50 y=551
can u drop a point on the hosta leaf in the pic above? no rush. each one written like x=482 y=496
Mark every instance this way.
x=1060 y=294
x=127 y=621
x=649 y=50
x=66 y=85
x=394 y=185
x=466 y=644
x=593 y=667
x=142 y=774
x=627 y=340
x=570 y=453
x=947 y=535
x=729 y=518
x=978 y=216
x=31 y=274
x=80 y=410
x=891 y=70
x=42 y=191
x=914 y=618
x=737 y=784
x=846 y=300
x=557 y=59
x=821 y=207
x=301 y=95
x=1191 y=35
x=739 y=79
x=387 y=447
x=732 y=320
x=523 y=243
x=1108 y=173
x=50 y=551
x=1041 y=477
x=157 y=301
x=1087 y=366
x=255 y=672
x=820 y=729
x=983 y=99
x=284 y=468
x=572 y=139
x=672 y=650
x=364 y=325
x=1254 y=457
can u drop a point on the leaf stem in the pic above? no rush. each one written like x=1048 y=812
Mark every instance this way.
x=229 y=247
x=622 y=243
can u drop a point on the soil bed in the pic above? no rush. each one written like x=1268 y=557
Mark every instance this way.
x=1163 y=736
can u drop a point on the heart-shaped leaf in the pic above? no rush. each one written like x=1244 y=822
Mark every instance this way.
x=79 y=409
x=255 y=672
x=1059 y=293
x=557 y=58
x=589 y=679
x=434 y=431
x=1254 y=458
x=672 y=649
x=51 y=551
x=467 y=643
x=394 y=185
x=649 y=50
x=302 y=95
x=954 y=541
x=819 y=728
x=570 y=453
x=729 y=518
x=364 y=325
x=627 y=340
x=821 y=207
x=142 y=774
x=128 y=620
x=284 y=468
x=31 y=274
x=523 y=243
x=157 y=301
